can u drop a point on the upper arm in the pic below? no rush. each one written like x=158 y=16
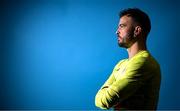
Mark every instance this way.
x=111 y=78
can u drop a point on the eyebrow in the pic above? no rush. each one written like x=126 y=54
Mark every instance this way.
x=121 y=24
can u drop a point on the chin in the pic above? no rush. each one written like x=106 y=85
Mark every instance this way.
x=122 y=45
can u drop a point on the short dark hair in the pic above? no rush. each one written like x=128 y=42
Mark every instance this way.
x=138 y=16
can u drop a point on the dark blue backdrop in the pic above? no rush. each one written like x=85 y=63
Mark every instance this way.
x=55 y=54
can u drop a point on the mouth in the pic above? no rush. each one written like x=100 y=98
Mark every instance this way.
x=119 y=38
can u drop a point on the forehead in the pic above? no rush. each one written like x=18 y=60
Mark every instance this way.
x=125 y=20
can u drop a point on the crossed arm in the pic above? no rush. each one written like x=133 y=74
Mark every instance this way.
x=116 y=90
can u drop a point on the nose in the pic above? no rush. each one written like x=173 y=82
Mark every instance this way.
x=117 y=31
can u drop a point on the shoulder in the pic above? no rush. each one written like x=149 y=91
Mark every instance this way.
x=143 y=60
x=139 y=59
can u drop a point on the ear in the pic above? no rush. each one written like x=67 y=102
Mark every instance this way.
x=137 y=31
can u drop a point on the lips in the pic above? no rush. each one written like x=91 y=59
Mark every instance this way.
x=119 y=38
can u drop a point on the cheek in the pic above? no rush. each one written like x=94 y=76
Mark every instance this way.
x=127 y=32
x=124 y=33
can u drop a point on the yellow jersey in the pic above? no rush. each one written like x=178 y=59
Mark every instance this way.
x=133 y=84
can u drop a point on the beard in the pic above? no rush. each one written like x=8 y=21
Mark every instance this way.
x=123 y=43
x=127 y=41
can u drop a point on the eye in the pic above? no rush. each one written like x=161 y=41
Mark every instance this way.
x=121 y=25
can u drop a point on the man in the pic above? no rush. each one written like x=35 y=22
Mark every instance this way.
x=135 y=82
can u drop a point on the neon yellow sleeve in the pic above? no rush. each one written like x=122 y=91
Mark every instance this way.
x=107 y=84
x=123 y=87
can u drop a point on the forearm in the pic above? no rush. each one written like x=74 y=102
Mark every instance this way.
x=106 y=98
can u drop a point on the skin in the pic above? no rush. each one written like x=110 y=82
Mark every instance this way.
x=130 y=36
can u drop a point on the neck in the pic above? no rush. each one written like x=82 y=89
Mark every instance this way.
x=135 y=48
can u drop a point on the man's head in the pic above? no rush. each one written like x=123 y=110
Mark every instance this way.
x=134 y=25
